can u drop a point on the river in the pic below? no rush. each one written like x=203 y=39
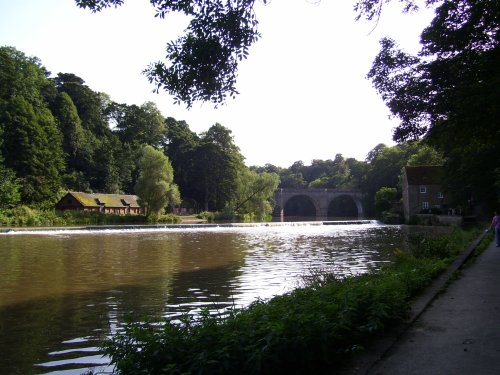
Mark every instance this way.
x=62 y=291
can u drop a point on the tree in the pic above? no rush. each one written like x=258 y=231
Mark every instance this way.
x=372 y=9
x=22 y=76
x=357 y=173
x=255 y=193
x=77 y=150
x=180 y=145
x=204 y=61
x=292 y=180
x=31 y=144
x=269 y=168
x=105 y=172
x=384 y=168
x=142 y=125
x=92 y=107
x=317 y=170
x=100 y=159
x=155 y=186
x=9 y=185
x=449 y=94
x=32 y=148
x=385 y=198
x=375 y=152
x=217 y=163
x=426 y=155
x=10 y=188
x=127 y=158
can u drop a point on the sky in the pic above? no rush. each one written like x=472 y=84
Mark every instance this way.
x=304 y=94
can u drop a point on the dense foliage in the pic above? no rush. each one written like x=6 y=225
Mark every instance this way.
x=449 y=93
x=155 y=185
x=309 y=330
x=381 y=170
x=57 y=134
x=203 y=63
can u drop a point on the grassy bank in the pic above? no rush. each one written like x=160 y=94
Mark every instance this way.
x=24 y=216
x=310 y=330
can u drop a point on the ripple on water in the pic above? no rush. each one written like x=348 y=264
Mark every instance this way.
x=76 y=355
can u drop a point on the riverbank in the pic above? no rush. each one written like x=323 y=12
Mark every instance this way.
x=24 y=216
x=310 y=330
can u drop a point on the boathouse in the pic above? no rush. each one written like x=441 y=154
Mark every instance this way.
x=119 y=204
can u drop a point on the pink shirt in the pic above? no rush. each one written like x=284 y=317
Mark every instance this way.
x=496 y=221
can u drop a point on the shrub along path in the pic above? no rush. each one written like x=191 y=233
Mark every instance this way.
x=455 y=332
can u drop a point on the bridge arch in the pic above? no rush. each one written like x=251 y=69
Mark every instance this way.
x=322 y=199
x=301 y=205
x=344 y=205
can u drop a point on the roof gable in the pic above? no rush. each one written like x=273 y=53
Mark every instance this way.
x=425 y=175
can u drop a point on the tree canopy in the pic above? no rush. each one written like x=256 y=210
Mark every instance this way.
x=449 y=88
x=202 y=64
x=57 y=134
x=155 y=186
x=448 y=93
x=31 y=144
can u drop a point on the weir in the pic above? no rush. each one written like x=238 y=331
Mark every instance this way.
x=97 y=228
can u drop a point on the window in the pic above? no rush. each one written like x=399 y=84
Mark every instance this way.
x=425 y=205
x=440 y=195
x=423 y=189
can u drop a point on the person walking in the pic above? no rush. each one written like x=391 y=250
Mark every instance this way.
x=495 y=224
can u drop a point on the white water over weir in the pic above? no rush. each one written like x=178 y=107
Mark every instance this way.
x=158 y=227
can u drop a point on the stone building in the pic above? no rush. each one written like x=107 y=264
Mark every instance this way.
x=423 y=192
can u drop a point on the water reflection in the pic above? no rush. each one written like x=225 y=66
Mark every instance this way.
x=60 y=293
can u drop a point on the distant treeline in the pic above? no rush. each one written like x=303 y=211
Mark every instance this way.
x=57 y=134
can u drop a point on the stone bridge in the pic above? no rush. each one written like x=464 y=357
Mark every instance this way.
x=320 y=199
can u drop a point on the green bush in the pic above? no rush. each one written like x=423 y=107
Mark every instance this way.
x=439 y=247
x=206 y=215
x=169 y=219
x=306 y=331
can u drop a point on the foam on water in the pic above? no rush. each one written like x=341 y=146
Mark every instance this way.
x=175 y=227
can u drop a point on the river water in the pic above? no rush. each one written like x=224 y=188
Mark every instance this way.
x=62 y=291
